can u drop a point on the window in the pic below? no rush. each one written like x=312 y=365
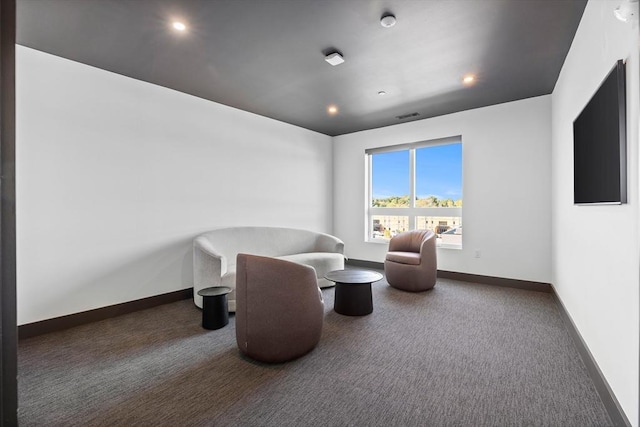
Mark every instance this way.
x=416 y=187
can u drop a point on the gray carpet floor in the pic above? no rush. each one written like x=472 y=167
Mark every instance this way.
x=459 y=355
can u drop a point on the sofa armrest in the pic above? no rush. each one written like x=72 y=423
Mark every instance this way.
x=208 y=267
x=329 y=243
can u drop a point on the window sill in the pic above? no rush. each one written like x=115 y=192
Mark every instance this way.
x=449 y=246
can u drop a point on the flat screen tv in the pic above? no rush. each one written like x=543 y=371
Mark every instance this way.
x=600 y=144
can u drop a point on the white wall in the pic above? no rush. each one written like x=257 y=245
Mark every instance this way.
x=506 y=188
x=595 y=248
x=116 y=176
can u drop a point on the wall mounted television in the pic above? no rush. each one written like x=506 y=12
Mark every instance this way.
x=600 y=144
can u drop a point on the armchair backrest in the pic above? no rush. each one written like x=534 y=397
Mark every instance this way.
x=410 y=241
x=279 y=308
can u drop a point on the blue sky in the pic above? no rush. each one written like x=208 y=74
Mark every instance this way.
x=438 y=172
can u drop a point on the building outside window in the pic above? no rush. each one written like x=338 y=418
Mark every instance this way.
x=416 y=187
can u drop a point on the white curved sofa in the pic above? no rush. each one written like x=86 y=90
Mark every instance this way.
x=215 y=252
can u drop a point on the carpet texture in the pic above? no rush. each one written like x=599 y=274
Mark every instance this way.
x=459 y=355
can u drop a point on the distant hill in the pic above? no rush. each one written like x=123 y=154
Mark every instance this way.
x=427 y=202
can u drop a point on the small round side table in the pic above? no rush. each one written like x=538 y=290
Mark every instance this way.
x=353 y=291
x=215 y=311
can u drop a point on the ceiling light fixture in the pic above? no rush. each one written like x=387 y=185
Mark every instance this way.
x=334 y=58
x=382 y=93
x=388 y=20
x=179 y=26
x=627 y=11
x=468 y=79
x=332 y=110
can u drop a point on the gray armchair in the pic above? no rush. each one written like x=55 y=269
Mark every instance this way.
x=279 y=308
x=411 y=263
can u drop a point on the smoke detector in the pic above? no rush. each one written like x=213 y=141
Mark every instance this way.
x=388 y=20
x=334 y=59
x=627 y=11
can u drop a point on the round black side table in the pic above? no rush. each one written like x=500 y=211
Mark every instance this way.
x=353 y=291
x=215 y=311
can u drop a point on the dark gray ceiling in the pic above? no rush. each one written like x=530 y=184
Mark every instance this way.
x=267 y=56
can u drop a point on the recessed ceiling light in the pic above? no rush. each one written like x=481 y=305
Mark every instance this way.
x=332 y=110
x=469 y=79
x=179 y=26
x=382 y=93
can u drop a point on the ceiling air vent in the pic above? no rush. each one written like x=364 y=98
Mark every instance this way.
x=406 y=116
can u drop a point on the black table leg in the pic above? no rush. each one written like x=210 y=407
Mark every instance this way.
x=215 y=312
x=353 y=299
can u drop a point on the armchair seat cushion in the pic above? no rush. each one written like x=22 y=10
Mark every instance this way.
x=411 y=258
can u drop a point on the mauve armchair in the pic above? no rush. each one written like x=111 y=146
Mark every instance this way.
x=411 y=263
x=279 y=308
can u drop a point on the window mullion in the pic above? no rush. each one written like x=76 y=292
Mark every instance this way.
x=412 y=189
x=368 y=231
x=412 y=177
